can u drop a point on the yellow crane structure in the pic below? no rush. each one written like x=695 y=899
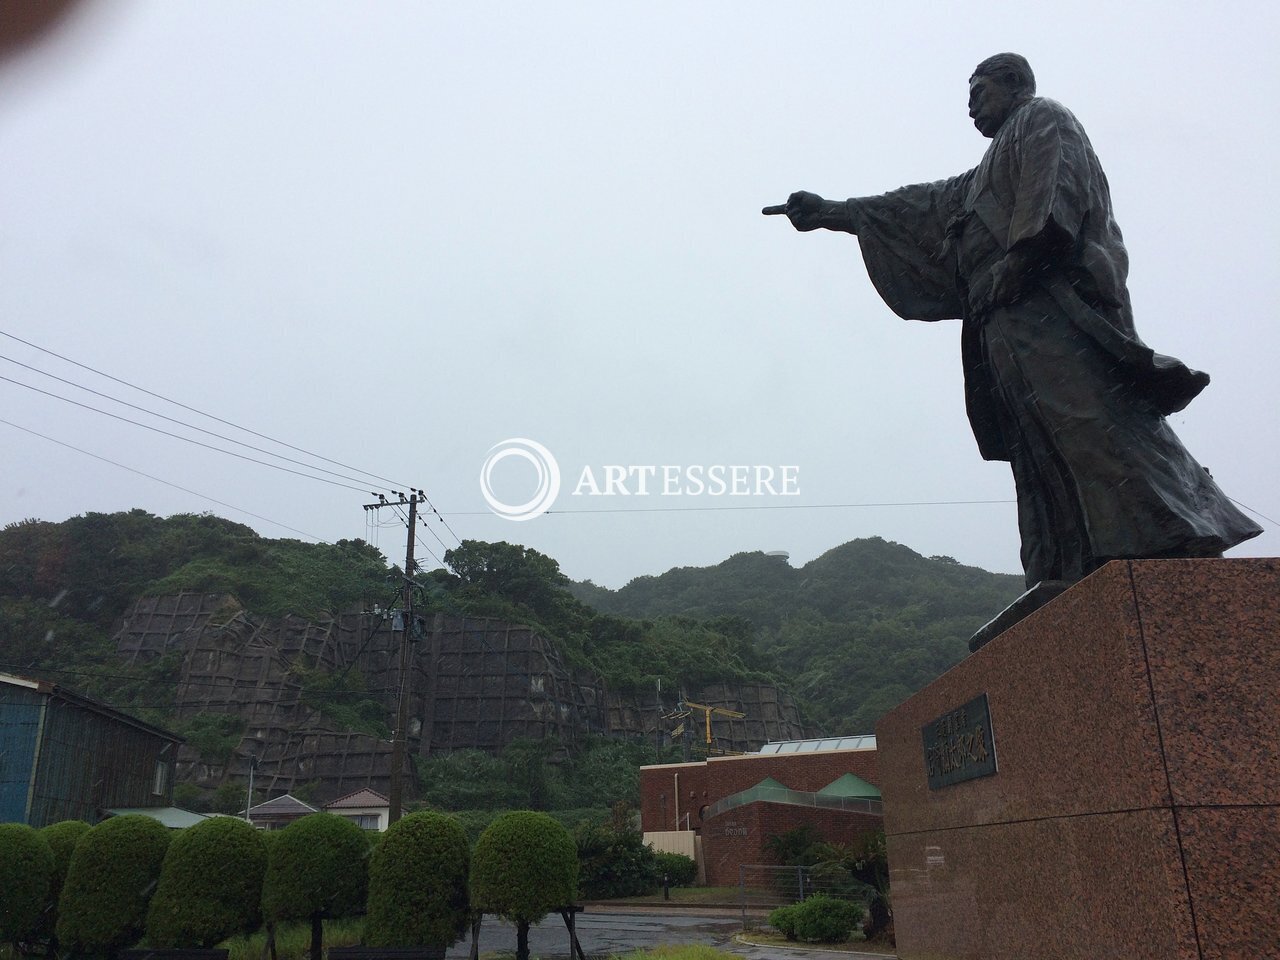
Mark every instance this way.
x=686 y=707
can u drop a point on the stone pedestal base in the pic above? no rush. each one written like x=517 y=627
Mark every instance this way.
x=1135 y=809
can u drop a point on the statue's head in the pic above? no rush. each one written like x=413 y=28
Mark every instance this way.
x=998 y=86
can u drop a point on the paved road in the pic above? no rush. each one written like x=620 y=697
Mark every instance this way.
x=614 y=933
x=603 y=933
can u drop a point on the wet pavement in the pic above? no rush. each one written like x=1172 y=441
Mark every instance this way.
x=612 y=933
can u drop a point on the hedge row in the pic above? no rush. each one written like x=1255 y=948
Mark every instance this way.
x=96 y=890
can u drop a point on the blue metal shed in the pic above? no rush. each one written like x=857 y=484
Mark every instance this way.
x=67 y=757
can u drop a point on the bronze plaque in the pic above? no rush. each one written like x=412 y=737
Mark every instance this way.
x=959 y=745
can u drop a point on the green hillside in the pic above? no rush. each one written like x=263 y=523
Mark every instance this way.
x=64 y=586
x=858 y=629
x=849 y=634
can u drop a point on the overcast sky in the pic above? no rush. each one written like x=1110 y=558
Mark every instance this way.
x=397 y=234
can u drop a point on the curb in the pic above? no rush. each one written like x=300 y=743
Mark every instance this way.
x=605 y=906
x=852 y=954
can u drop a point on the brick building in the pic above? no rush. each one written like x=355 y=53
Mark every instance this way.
x=734 y=804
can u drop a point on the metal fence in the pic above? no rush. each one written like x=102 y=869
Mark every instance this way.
x=762 y=887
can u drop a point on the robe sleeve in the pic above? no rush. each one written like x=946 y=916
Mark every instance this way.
x=1050 y=172
x=905 y=245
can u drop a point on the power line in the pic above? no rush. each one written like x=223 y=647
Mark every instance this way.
x=440 y=517
x=1253 y=511
x=229 y=423
x=167 y=483
x=178 y=436
x=404 y=522
x=202 y=413
x=181 y=423
x=777 y=506
x=430 y=553
x=422 y=522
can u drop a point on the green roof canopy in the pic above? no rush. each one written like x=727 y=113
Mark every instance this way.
x=850 y=786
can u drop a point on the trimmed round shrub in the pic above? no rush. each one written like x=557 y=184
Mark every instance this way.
x=210 y=885
x=680 y=871
x=62 y=838
x=113 y=871
x=316 y=866
x=418 y=883
x=524 y=866
x=26 y=873
x=783 y=919
x=823 y=919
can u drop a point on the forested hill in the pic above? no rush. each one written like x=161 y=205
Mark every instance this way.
x=858 y=629
x=850 y=634
x=65 y=586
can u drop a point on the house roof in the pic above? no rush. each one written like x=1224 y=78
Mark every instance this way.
x=174 y=817
x=360 y=798
x=48 y=689
x=283 y=806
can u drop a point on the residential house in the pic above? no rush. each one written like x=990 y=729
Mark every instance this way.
x=279 y=812
x=366 y=808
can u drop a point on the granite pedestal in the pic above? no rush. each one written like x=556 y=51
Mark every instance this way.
x=1135 y=808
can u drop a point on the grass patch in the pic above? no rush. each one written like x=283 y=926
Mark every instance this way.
x=686 y=952
x=293 y=940
x=855 y=944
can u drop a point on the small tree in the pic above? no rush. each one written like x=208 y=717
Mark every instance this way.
x=615 y=861
x=210 y=885
x=317 y=869
x=798 y=847
x=679 y=870
x=418 y=883
x=113 y=871
x=229 y=798
x=524 y=865
x=62 y=838
x=871 y=866
x=26 y=872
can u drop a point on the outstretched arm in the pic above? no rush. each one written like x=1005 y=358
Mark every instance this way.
x=808 y=211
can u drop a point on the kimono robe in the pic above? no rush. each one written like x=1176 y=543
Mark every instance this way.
x=1057 y=383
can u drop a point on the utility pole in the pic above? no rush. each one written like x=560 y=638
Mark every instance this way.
x=396 y=801
x=248 y=805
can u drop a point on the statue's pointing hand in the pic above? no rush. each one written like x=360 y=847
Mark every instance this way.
x=808 y=211
x=805 y=210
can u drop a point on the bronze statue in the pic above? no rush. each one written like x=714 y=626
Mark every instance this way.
x=1025 y=251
